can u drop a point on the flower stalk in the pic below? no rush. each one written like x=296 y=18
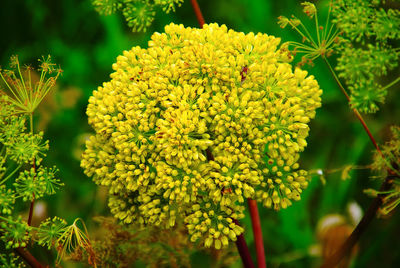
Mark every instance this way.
x=357 y=114
x=28 y=258
x=244 y=252
x=257 y=232
x=198 y=13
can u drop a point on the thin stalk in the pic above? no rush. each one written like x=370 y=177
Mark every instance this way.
x=317 y=25
x=345 y=249
x=336 y=79
x=257 y=233
x=309 y=35
x=10 y=88
x=327 y=23
x=31 y=122
x=311 y=41
x=358 y=115
x=22 y=81
x=198 y=13
x=9 y=175
x=391 y=83
x=30 y=215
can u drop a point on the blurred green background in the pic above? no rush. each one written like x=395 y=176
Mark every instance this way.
x=86 y=44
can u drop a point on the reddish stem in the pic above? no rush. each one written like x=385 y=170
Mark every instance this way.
x=243 y=250
x=360 y=118
x=28 y=258
x=198 y=13
x=257 y=232
x=31 y=210
x=358 y=115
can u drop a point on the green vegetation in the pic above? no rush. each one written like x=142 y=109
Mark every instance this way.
x=52 y=213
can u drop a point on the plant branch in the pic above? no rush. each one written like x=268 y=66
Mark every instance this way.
x=257 y=233
x=345 y=249
x=198 y=13
x=358 y=115
x=12 y=173
x=28 y=258
x=30 y=215
x=31 y=210
x=391 y=83
x=243 y=250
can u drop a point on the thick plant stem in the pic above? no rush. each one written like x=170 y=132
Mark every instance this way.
x=257 y=232
x=29 y=258
x=198 y=13
x=243 y=250
x=345 y=249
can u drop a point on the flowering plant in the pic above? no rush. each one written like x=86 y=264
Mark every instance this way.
x=190 y=127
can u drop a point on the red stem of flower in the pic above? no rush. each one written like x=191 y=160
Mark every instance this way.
x=244 y=250
x=358 y=115
x=360 y=118
x=257 y=232
x=31 y=210
x=29 y=258
x=198 y=13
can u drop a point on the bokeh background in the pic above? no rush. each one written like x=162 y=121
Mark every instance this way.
x=85 y=44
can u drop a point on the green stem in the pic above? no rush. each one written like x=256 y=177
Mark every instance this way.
x=337 y=79
x=30 y=215
x=22 y=82
x=9 y=175
x=31 y=122
x=358 y=115
x=324 y=32
x=391 y=83
x=317 y=25
x=3 y=148
x=10 y=88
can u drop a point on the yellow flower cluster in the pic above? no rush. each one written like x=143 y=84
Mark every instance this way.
x=197 y=122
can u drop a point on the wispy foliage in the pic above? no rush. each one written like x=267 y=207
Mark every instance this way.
x=23 y=178
x=360 y=34
x=139 y=14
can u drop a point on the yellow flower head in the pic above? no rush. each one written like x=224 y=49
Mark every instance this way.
x=202 y=119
